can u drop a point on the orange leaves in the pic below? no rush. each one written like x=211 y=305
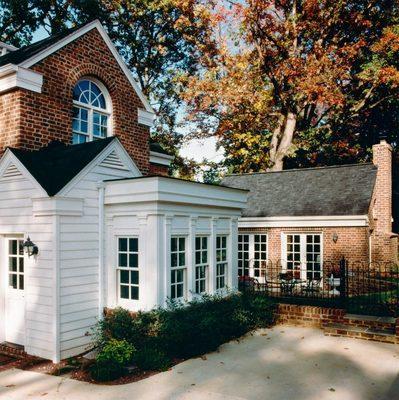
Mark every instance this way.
x=389 y=41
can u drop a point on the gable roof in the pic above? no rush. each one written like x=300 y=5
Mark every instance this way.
x=24 y=53
x=326 y=191
x=29 y=55
x=57 y=164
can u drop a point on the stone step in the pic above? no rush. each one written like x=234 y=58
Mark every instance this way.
x=386 y=335
x=370 y=321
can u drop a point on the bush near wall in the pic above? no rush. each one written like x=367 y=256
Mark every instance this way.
x=155 y=339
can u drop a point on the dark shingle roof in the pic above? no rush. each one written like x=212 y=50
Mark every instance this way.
x=340 y=190
x=157 y=147
x=26 y=52
x=55 y=165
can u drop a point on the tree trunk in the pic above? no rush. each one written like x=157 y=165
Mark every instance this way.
x=285 y=142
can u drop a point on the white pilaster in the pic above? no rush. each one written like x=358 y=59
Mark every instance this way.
x=212 y=256
x=232 y=278
x=191 y=259
x=165 y=293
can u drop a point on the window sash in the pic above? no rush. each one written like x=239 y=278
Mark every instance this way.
x=201 y=263
x=16 y=264
x=128 y=271
x=252 y=254
x=90 y=122
x=221 y=261
x=178 y=267
x=304 y=252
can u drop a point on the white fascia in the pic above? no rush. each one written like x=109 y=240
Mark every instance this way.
x=160 y=158
x=14 y=76
x=304 y=221
x=47 y=206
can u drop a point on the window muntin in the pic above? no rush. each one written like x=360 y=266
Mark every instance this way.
x=252 y=254
x=243 y=255
x=304 y=254
x=90 y=112
x=201 y=264
x=16 y=272
x=221 y=261
x=178 y=267
x=128 y=268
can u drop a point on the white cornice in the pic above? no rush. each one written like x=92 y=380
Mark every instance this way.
x=145 y=117
x=160 y=158
x=13 y=76
x=303 y=221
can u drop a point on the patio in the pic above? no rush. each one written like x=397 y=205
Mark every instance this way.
x=280 y=363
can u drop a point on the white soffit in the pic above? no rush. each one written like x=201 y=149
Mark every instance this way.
x=160 y=158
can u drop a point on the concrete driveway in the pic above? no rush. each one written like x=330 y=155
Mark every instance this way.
x=287 y=363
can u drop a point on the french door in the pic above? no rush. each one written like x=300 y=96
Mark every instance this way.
x=252 y=255
x=303 y=255
x=15 y=291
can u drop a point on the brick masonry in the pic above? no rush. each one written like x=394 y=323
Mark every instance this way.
x=30 y=120
x=291 y=314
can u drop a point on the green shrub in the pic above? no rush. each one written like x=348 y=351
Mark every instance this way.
x=112 y=360
x=179 y=331
x=151 y=359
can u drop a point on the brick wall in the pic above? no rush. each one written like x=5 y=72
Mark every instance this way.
x=157 y=169
x=308 y=315
x=352 y=243
x=30 y=120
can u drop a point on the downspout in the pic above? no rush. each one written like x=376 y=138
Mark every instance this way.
x=101 y=197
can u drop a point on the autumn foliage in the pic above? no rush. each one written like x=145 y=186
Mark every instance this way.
x=292 y=79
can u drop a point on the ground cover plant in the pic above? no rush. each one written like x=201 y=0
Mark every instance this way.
x=155 y=340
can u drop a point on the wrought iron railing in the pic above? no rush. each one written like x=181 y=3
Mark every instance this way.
x=357 y=286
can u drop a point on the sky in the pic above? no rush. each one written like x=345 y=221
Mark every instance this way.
x=194 y=149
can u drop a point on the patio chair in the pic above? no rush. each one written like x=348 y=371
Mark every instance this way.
x=313 y=287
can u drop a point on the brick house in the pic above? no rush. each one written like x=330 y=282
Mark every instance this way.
x=85 y=222
x=304 y=218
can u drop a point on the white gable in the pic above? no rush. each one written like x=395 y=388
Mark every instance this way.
x=112 y=163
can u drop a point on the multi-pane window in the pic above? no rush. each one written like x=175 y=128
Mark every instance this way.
x=201 y=264
x=221 y=261
x=243 y=255
x=260 y=255
x=16 y=264
x=313 y=257
x=293 y=252
x=252 y=254
x=90 y=112
x=128 y=268
x=303 y=255
x=178 y=267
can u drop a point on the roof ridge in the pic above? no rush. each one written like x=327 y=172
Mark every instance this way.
x=303 y=169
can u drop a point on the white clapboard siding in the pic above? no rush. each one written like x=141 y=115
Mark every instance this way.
x=16 y=192
x=79 y=259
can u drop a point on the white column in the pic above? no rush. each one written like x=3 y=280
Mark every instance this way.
x=147 y=264
x=165 y=293
x=232 y=278
x=212 y=256
x=191 y=259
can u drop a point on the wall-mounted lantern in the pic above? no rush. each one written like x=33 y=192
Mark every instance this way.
x=335 y=237
x=30 y=248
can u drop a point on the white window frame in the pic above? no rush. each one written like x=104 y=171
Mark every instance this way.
x=303 y=251
x=123 y=301
x=252 y=251
x=225 y=261
x=91 y=109
x=201 y=264
x=18 y=257
x=178 y=267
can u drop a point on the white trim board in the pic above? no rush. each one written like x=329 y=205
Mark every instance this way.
x=12 y=76
x=303 y=221
x=160 y=158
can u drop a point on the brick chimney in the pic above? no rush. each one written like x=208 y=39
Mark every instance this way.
x=384 y=244
x=382 y=209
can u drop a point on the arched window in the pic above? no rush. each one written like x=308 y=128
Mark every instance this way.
x=91 y=111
